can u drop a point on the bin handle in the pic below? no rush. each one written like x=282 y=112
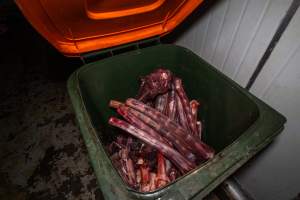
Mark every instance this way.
x=99 y=15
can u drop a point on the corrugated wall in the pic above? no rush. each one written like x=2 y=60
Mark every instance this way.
x=275 y=175
x=233 y=36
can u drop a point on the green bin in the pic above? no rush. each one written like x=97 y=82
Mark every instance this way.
x=236 y=124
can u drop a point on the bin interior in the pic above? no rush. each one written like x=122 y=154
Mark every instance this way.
x=225 y=112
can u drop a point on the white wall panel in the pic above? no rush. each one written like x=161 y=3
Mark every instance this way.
x=275 y=174
x=213 y=30
x=234 y=34
x=231 y=26
x=257 y=47
x=254 y=14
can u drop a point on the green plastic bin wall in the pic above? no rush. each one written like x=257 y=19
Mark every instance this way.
x=236 y=124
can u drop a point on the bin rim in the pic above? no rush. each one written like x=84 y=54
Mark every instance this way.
x=234 y=155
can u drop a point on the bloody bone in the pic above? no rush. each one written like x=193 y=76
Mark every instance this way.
x=152 y=181
x=145 y=178
x=177 y=141
x=181 y=114
x=185 y=103
x=194 y=104
x=158 y=82
x=199 y=127
x=173 y=174
x=162 y=177
x=171 y=105
x=195 y=146
x=183 y=164
x=144 y=122
x=164 y=134
x=127 y=167
x=124 y=111
x=161 y=103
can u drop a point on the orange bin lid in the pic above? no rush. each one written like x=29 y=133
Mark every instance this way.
x=79 y=26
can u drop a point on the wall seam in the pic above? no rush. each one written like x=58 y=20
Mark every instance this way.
x=234 y=35
x=279 y=32
x=250 y=42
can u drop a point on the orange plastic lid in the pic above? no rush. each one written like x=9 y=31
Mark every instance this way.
x=78 y=26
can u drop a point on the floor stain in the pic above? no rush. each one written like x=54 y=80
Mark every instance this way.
x=42 y=149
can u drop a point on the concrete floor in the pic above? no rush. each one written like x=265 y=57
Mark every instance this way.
x=42 y=150
x=42 y=154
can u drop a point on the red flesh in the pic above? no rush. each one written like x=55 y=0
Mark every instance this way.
x=170 y=126
x=194 y=104
x=195 y=143
x=145 y=174
x=152 y=181
x=183 y=164
x=145 y=178
x=162 y=177
x=126 y=167
x=161 y=102
x=173 y=174
x=186 y=104
x=171 y=106
x=181 y=114
x=138 y=176
x=178 y=142
x=167 y=102
x=158 y=82
x=199 y=127
x=124 y=111
x=130 y=171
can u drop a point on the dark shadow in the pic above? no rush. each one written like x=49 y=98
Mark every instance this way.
x=190 y=21
x=23 y=49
